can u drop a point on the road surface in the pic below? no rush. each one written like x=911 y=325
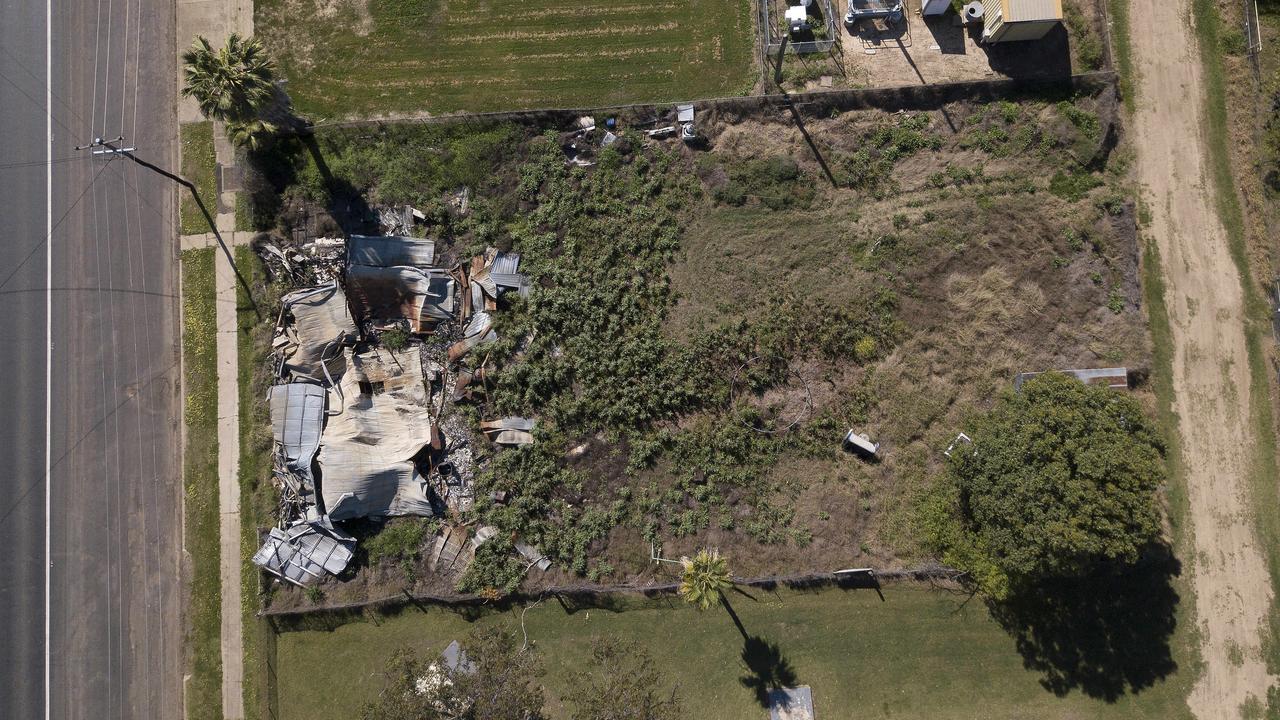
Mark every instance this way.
x=89 y=423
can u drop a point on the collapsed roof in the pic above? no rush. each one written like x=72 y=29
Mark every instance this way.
x=320 y=320
x=366 y=467
x=297 y=419
x=389 y=279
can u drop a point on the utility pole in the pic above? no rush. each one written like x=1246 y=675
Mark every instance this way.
x=110 y=148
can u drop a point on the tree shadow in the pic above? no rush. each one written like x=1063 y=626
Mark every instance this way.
x=1105 y=635
x=767 y=668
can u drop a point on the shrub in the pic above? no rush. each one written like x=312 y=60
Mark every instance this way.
x=1061 y=477
x=1072 y=187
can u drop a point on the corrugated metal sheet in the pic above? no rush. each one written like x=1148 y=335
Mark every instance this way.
x=320 y=317
x=297 y=418
x=423 y=297
x=365 y=458
x=305 y=551
x=507 y=263
x=389 y=250
x=1033 y=10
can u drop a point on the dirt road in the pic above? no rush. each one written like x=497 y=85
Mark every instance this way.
x=1210 y=365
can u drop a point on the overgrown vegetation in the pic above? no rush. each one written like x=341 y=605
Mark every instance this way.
x=710 y=415
x=200 y=482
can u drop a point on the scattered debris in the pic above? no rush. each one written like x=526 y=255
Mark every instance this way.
x=961 y=438
x=305 y=551
x=509 y=430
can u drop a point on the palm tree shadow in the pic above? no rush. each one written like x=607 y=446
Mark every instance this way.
x=767 y=668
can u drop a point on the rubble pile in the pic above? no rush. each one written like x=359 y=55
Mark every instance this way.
x=368 y=359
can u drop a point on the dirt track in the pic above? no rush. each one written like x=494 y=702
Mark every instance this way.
x=1210 y=364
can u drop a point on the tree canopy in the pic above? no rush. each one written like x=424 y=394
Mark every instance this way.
x=706 y=576
x=497 y=681
x=234 y=84
x=1059 y=477
x=621 y=682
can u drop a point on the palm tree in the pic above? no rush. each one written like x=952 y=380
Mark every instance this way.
x=706 y=577
x=250 y=133
x=234 y=84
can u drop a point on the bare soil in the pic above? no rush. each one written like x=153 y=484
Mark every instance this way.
x=1211 y=377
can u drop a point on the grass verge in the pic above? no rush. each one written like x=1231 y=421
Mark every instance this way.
x=916 y=653
x=1122 y=50
x=200 y=166
x=1264 y=475
x=412 y=56
x=257 y=496
x=200 y=483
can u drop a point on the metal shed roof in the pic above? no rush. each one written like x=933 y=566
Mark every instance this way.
x=1031 y=10
x=389 y=250
x=423 y=297
x=305 y=551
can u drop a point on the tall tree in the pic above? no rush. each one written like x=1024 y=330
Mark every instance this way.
x=495 y=681
x=621 y=682
x=234 y=84
x=1060 y=478
x=706 y=577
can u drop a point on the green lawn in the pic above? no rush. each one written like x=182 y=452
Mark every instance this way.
x=368 y=57
x=200 y=483
x=917 y=653
x=200 y=166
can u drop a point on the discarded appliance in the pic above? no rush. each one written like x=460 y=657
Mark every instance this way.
x=684 y=116
x=1013 y=20
x=797 y=19
x=862 y=445
x=934 y=7
x=1116 y=378
x=509 y=430
x=669 y=130
x=973 y=12
x=305 y=551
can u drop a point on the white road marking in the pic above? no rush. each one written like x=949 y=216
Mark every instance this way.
x=48 y=327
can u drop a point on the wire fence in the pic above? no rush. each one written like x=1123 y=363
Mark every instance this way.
x=774 y=29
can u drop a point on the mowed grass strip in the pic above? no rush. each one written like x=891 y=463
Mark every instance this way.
x=200 y=483
x=918 y=653
x=200 y=166
x=351 y=58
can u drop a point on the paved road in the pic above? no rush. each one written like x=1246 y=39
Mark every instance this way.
x=112 y=603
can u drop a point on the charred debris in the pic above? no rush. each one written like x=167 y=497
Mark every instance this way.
x=368 y=358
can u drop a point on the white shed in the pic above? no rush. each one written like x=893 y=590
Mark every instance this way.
x=1013 y=20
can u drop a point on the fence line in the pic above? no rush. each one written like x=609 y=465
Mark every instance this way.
x=924 y=573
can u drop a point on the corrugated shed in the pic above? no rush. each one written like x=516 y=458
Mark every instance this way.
x=1032 y=10
x=320 y=317
x=390 y=250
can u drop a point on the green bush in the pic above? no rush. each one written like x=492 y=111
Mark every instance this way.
x=1072 y=187
x=1060 y=477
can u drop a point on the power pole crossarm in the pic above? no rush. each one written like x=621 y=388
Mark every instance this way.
x=109 y=147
